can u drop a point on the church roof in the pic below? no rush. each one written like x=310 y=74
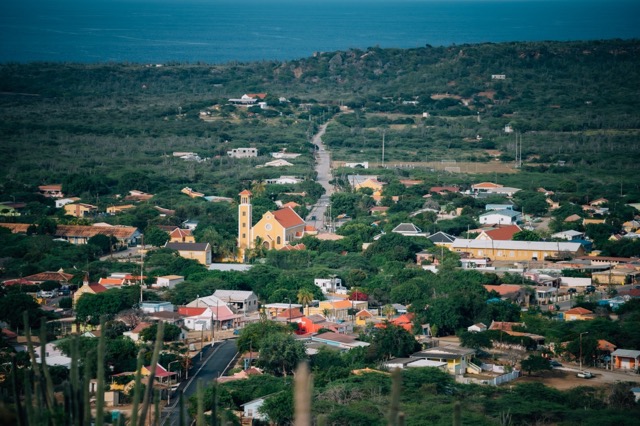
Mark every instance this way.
x=287 y=217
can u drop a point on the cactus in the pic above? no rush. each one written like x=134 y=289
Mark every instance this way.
x=394 y=408
x=200 y=398
x=457 y=416
x=303 y=386
x=148 y=394
x=100 y=377
x=137 y=387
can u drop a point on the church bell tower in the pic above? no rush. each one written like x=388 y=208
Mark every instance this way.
x=245 y=240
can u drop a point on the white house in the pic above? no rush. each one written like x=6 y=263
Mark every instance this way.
x=251 y=409
x=477 y=328
x=284 y=180
x=330 y=285
x=276 y=163
x=152 y=307
x=243 y=152
x=241 y=301
x=53 y=356
x=409 y=230
x=169 y=281
x=500 y=217
x=569 y=235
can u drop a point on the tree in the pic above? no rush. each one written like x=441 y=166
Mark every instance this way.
x=103 y=242
x=305 y=296
x=526 y=235
x=171 y=333
x=155 y=236
x=475 y=340
x=13 y=306
x=280 y=354
x=279 y=407
x=391 y=341
x=253 y=334
x=535 y=363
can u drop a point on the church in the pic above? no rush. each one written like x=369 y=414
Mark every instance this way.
x=274 y=231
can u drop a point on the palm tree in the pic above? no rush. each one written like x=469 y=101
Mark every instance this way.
x=305 y=296
x=326 y=312
x=258 y=187
x=388 y=311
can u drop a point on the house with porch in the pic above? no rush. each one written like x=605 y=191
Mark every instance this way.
x=456 y=358
x=626 y=359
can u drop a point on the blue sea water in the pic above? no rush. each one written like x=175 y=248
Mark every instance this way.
x=216 y=31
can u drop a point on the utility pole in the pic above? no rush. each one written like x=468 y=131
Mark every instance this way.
x=586 y=332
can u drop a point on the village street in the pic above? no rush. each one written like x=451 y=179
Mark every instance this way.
x=316 y=216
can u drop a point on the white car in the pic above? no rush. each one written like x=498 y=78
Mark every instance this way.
x=585 y=375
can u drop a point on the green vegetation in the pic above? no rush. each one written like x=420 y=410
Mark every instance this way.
x=104 y=130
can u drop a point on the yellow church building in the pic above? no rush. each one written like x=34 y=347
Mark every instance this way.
x=274 y=231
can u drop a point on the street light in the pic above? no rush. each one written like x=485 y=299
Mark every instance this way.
x=586 y=332
x=169 y=390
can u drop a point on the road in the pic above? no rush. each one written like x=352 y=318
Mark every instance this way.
x=214 y=364
x=317 y=215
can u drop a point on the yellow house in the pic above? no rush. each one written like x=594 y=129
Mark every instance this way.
x=79 y=209
x=274 y=230
x=578 y=314
x=365 y=317
x=371 y=182
x=181 y=236
x=617 y=275
x=119 y=209
x=517 y=250
x=197 y=251
x=88 y=289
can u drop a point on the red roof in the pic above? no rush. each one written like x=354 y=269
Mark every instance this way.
x=503 y=233
x=9 y=334
x=503 y=289
x=291 y=204
x=49 y=276
x=440 y=189
x=191 y=312
x=245 y=192
x=97 y=288
x=161 y=371
x=288 y=218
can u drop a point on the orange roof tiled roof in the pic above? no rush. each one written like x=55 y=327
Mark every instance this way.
x=504 y=326
x=504 y=232
x=288 y=218
x=342 y=304
x=141 y=326
x=578 y=311
x=111 y=281
x=180 y=233
x=503 y=289
x=245 y=192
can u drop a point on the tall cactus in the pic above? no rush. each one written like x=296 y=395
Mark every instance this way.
x=100 y=376
x=394 y=408
x=148 y=394
x=303 y=386
x=137 y=388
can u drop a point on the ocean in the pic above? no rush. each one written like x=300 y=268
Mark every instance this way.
x=220 y=31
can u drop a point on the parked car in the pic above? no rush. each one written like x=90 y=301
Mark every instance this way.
x=590 y=289
x=585 y=375
x=553 y=363
x=47 y=294
x=571 y=291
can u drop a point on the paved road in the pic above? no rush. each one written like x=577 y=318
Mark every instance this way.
x=317 y=216
x=215 y=362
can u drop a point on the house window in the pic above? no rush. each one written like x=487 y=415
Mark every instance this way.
x=244 y=235
x=512 y=253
